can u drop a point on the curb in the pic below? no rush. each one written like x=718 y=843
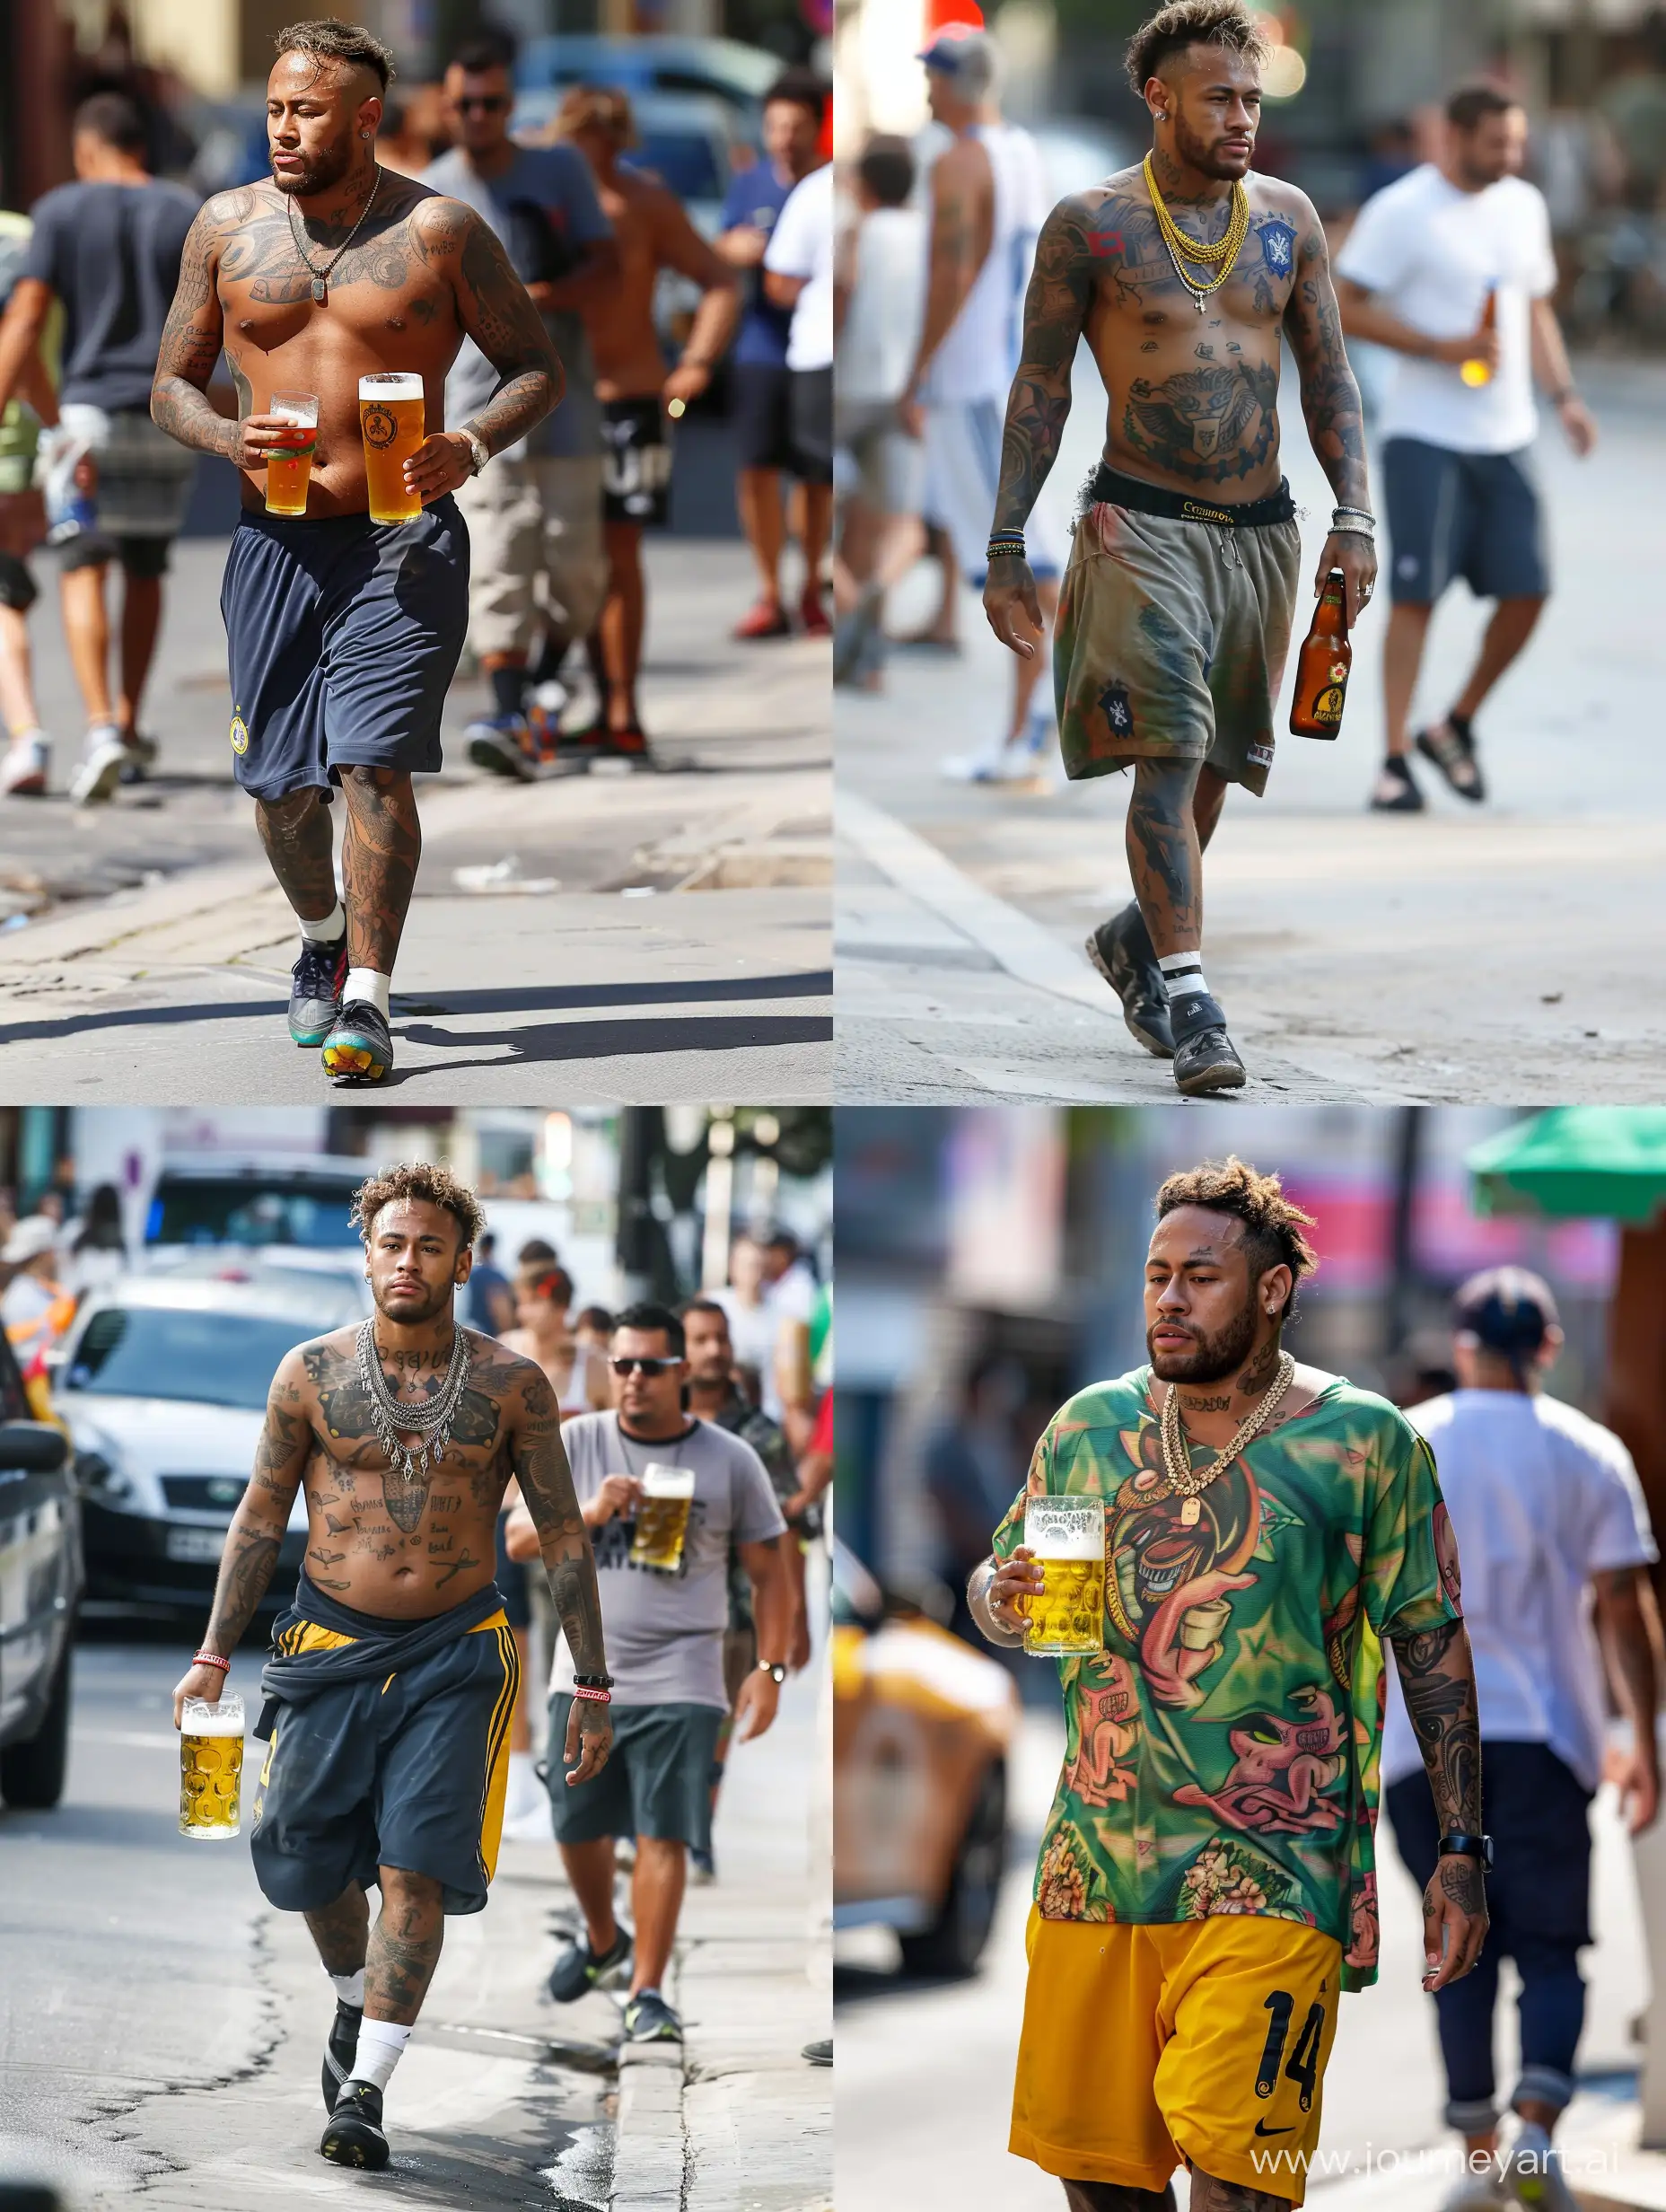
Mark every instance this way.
x=649 y=2153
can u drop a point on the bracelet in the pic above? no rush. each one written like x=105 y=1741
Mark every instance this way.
x=1004 y=543
x=211 y=1659
x=1363 y=513
x=593 y=1681
x=594 y=1697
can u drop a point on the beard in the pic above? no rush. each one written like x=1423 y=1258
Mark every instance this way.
x=1212 y=1358
x=1201 y=155
x=321 y=169
x=408 y=1307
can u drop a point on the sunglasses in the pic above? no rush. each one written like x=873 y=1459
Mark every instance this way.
x=641 y=1367
x=488 y=103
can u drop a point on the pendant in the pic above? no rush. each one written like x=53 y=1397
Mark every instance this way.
x=1197 y=298
x=1191 y=1513
x=321 y=291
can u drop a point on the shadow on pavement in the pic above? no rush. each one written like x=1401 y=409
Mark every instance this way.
x=601 y=1041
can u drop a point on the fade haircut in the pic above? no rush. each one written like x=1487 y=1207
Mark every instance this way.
x=646 y=1320
x=1192 y=22
x=705 y=1305
x=113 y=120
x=1472 y=104
x=1274 y=1227
x=422 y=1181
x=328 y=38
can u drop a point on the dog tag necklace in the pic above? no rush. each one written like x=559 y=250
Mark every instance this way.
x=430 y=1422
x=1185 y=1480
x=321 y=277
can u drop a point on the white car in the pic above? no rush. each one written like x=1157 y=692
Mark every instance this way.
x=163 y=1381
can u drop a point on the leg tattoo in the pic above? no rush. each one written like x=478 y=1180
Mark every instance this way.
x=1164 y=858
x=1116 y=2197
x=404 y=1947
x=1209 y=2195
x=379 y=857
x=341 y=1930
x=295 y=831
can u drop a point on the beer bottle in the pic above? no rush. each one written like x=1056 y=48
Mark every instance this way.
x=1322 y=671
x=1476 y=372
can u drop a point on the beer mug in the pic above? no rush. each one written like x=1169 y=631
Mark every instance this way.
x=662 y=1518
x=390 y=414
x=1067 y=1614
x=289 y=472
x=211 y=1768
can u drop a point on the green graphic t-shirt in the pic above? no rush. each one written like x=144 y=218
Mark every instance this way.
x=1221 y=1754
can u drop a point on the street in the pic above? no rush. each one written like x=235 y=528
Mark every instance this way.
x=1467 y=954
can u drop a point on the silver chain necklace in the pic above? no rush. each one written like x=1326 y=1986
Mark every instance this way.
x=320 y=286
x=430 y=1421
x=1185 y=1480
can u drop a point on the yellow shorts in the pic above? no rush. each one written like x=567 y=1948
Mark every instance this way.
x=1204 y=2043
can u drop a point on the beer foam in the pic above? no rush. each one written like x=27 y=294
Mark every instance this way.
x=213 y=1720
x=1065 y=1528
x=659 y=1480
x=391 y=384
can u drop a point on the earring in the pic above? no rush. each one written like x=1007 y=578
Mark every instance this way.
x=363 y=134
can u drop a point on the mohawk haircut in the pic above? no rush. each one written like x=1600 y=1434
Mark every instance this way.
x=1273 y=1227
x=328 y=38
x=1192 y=22
x=422 y=1181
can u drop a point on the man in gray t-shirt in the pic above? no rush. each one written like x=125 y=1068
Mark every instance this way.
x=663 y=1624
x=534 y=513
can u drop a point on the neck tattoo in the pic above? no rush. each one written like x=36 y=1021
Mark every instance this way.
x=1185 y=1480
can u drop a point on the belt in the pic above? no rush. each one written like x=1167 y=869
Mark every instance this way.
x=1111 y=489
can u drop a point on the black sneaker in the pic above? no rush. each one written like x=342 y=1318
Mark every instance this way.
x=1394 y=791
x=315 y=984
x=1204 y=1058
x=819 y=2054
x=1121 y=950
x=359 y=1048
x=353 y=2133
x=577 y=1970
x=1451 y=748
x=649 y=2019
x=341 y=2050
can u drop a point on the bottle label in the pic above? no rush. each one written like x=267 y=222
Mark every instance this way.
x=1327 y=706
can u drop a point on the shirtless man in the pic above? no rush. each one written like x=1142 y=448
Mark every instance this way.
x=653 y=233
x=394 y=1672
x=344 y=634
x=1175 y=614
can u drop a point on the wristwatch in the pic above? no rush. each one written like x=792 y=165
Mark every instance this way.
x=773 y=1669
x=1456 y=1844
x=478 y=445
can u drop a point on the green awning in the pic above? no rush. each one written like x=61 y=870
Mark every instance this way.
x=1573 y=1160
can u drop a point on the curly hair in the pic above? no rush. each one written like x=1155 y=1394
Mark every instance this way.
x=1273 y=1227
x=1192 y=22
x=422 y=1179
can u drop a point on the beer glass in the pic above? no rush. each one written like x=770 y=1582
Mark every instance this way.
x=289 y=472
x=211 y=1768
x=390 y=418
x=1067 y=1614
x=662 y=1518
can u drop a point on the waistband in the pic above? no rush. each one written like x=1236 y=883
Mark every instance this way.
x=320 y=527
x=1111 y=489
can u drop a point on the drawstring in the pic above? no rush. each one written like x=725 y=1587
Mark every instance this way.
x=1231 y=552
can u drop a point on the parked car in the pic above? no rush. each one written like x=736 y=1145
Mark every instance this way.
x=922 y=1727
x=303 y=1204
x=162 y=1380
x=40 y=1585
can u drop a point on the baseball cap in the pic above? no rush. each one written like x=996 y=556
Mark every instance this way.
x=1505 y=1310
x=966 y=54
x=35 y=1234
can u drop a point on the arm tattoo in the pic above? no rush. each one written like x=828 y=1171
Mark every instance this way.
x=493 y=308
x=1055 y=309
x=256 y=1535
x=1330 y=400
x=539 y=1464
x=1437 y=1676
x=191 y=339
x=245 y=1567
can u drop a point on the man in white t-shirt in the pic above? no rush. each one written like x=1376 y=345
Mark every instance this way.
x=798 y=272
x=1545 y=1507
x=1452 y=268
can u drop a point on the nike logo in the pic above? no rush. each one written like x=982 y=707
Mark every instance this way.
x=1261 y=2128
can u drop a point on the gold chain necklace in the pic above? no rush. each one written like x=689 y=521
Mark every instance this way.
x=1176 y=239
x=1185 y=1480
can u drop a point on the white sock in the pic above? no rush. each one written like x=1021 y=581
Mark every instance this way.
x=327 y=931
x=367 y=983
x=350 y=1988
x=380 y=2044
x=1182 y=972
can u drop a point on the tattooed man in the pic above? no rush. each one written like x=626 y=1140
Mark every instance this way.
x=1175 y=613
x=1206 y=1885
x=344 y=633
x=393 y=1675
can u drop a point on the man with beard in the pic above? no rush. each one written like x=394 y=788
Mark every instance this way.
x=1174 y=616
x=393 y=1673
x=1206 y=1886
x=344 y=633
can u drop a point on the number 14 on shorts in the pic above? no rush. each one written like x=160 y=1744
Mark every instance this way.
x=1303 y=2067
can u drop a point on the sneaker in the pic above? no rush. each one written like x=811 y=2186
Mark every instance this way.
x=764 y=618
x=1533 y=2172
x=1121 y=950
x=649 y=2019
x=141 y=753
x=353 y=2134
x=24 y=766
x=1204 y=1058
x=315 y=984
x=577 y=1970
x=95 y=781
x=819 y=2054
x=359 y=1048
x=812 y=615
x=596 y=742
x=1394 y=791
x=340 y=2050
x=1451 y=748
x=1019 y=760
x=501 y=744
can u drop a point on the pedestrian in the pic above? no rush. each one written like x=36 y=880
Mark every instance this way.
x=97 y=1244
x=1555 y=1539
x=491 y=1304
x=345 y=632
x=754 y=1319
x=534 y=516
x=35 y=1308
x=543 y=1332
x=636 y=393
x=1452 y=268
x=878 y=300
x=393 y=1672
x=989 y=185
x=1207 y=1885
x=760 y=380
x=798 y=276
x=106 y=250
x=665 y=1605
x=966 y=1466
x=27 y=760
x=1176 y=609
x=593 y=1329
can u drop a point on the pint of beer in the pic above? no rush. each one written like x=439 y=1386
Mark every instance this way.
x=1067 y=1536
x=662 y=1518
x=289 y=472
x=211 y=1768
x=390 y=417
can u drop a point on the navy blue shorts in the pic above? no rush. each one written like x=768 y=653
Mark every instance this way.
x=409 y=1772
x=344 y=636
x=1474 y=515
x=657 y=1781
